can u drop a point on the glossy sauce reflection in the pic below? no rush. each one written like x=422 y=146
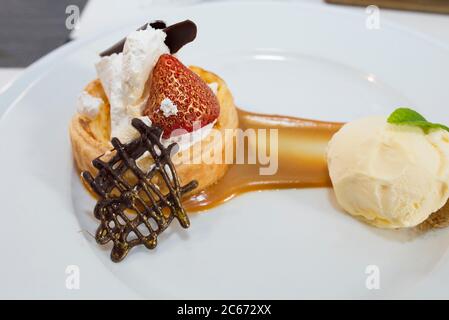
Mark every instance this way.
x=301 y=160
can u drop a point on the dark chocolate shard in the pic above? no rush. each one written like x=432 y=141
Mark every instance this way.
x=178 y=35
x=133 y=213
x=156 y=24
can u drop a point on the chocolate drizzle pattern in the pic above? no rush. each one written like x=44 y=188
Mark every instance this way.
x=133 y=214
x=178 y=35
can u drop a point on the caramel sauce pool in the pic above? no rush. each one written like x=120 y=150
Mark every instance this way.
x=301 y=160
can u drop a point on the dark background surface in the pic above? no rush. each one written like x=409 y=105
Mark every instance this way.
x=31 y=28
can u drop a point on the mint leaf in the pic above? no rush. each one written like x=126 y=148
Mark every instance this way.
x=401 y=115
x=409 y=117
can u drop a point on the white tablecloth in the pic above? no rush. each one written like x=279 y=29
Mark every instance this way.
x=99 y=15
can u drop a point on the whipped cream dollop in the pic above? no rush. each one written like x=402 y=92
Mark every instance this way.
x=88 y=104
x=124 y=78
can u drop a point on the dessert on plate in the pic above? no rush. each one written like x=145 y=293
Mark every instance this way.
x=145 y=81
x=147 y=128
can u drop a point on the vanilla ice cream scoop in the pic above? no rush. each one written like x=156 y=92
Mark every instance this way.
x=392 y=176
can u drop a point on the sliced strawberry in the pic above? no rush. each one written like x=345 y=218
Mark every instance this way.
x=193 y=98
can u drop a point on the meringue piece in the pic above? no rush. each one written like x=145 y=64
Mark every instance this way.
x=109 y=70
x=168 y=108
x=88 y=104
x=124 y=76
x=141 y=52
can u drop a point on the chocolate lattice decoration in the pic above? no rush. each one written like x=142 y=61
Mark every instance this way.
x=133 y=214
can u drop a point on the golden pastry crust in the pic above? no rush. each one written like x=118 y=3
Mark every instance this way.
x=90 y=137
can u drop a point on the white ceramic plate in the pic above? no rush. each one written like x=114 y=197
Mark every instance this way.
x=290 y=59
